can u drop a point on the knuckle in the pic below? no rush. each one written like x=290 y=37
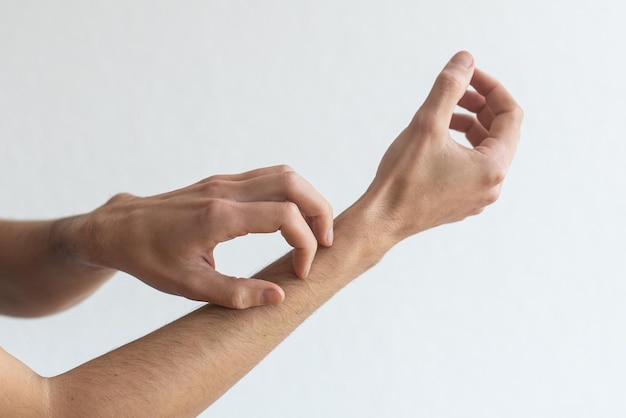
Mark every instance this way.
x=284 y=168
x=214 y=188
x=290 y=179
x=121 y=197
x=291 y=210
x=425 y=122
x=214 y=208
x=447 y=81
x=492 y=196
x=478 y=210
x=237 y=296
x=214 y=177
x=491 y=179
x=494 y=174
x=289 y=213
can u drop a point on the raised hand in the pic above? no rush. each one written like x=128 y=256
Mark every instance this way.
x=426 y=178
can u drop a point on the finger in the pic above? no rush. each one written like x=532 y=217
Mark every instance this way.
x=449 y=88
x=258 y=217
x=474 y=131
x=290 y=186
x=251 y=174
x=476 y=103
x=233 y=292
x=217 y=192
x=504 y=132
x=472 y=101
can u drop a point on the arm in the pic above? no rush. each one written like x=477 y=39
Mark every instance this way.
x=180 y=369
x=37 y=274
x=424 y=179
x=165 y=240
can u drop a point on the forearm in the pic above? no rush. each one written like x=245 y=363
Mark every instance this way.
x=183 y=367
x=38 y=273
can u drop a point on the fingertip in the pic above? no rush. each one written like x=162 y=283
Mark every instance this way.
x=302 y=260
x=272 y=296
x=330 y=237
x=324 y=231
x=301 y=269
x=325 y=237
x=448 y=89
x=307 y=270
x=463 y=58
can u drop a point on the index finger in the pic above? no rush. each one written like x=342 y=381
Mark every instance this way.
x=504 y=132
x=289 y=186
x=275 y=169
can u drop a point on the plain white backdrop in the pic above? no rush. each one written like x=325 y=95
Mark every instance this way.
x=518 y=312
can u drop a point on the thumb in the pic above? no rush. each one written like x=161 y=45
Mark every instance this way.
x=450 y=86
x=233 y=292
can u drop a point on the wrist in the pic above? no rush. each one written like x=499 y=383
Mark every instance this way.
x=366 y=226
x=396 y=213
x=75 y=238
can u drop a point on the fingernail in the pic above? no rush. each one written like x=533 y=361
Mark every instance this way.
x=271 y=297
x=330 y=236
x=463 y=58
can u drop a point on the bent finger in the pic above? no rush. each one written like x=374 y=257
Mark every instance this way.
x=290 y=186
x=259 y=217
x=474 y=131
x=504 y=132
x=476 y=103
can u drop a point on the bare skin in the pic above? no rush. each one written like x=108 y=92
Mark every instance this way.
x=165 y=240
x=425 y=179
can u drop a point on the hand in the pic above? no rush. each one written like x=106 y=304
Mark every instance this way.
x=167 y=240
x=426 y=178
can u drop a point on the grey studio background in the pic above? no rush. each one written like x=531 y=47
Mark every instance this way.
x=518 y=312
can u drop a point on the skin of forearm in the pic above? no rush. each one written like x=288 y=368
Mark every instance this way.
x=182 y=368
x=38 y=275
